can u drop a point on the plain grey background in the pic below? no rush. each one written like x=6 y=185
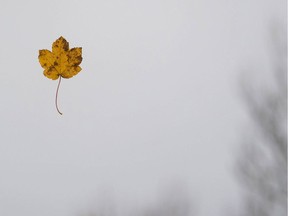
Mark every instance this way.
x=156 y=105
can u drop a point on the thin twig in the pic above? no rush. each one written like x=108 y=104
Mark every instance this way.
x=56 y=99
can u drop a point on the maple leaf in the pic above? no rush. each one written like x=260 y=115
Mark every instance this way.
x=61 y=62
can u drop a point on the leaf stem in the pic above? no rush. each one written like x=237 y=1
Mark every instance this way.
x=56 y=99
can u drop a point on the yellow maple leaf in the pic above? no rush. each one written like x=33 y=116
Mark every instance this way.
x=61 y=62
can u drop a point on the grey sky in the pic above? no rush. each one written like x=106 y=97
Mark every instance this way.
x=156 y=101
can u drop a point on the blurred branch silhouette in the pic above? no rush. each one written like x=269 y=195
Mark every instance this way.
x=174 y=202
x=262 y=165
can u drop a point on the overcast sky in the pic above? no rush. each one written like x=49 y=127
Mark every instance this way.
x=156 y=103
